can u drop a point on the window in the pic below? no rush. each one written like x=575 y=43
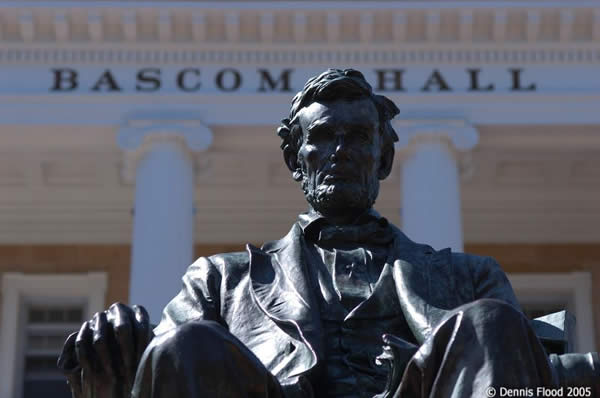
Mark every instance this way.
x=544 y=293
x=46 y=329
x=38 y=312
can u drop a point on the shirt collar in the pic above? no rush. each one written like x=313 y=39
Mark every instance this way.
x=311 y=222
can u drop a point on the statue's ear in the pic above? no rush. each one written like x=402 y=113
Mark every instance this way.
x=386 y=162
x=291 y=160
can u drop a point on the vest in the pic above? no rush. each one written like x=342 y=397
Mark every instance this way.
x=358 y=304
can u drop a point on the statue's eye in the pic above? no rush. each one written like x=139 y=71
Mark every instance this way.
x=361 y=135
x=319 y=133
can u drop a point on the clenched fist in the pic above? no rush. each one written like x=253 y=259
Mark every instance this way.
x=100 y=360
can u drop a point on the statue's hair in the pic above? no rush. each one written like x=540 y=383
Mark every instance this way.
x=331 y=85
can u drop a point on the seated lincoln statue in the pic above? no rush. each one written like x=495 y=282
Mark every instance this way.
x=344 y=305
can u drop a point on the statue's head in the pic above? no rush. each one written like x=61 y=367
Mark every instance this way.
x=339 y=142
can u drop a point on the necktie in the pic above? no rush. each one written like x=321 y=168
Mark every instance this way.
x=375 y=232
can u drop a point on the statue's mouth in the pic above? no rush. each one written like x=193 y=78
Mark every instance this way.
x=336 y=177
x=338 y=172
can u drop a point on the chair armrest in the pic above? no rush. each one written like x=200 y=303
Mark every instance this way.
x=556 y=331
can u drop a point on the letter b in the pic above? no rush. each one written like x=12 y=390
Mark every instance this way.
x=65 y=79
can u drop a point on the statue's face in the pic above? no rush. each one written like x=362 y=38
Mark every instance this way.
x=339 y=156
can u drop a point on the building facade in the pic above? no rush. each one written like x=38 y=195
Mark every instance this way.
x=137 y=136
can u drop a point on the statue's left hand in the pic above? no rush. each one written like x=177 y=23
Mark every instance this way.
x=100 y=361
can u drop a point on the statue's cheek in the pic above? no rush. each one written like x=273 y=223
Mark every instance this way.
x=310 y=154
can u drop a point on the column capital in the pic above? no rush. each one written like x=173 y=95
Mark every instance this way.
x=458 y=135
x=461 y=135
x=138 y=135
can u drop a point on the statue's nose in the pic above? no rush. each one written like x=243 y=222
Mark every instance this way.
x=340 y=148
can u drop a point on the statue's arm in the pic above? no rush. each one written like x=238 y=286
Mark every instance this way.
x=489 y=280
x=199 y=298
x=101 y=360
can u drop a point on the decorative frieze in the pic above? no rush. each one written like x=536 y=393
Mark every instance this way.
x=61 y=26
x=26 y=26
x=299 y=27
x=466 y=25
x=499 y=27
x=533 y=25
x=566 y=19
x=95 y=25
x=432 y=24
x=366 y=27
x=596 y=25
x=332 y=27
x=129 y=21
x=232 y=26
x=267 y=27
x=164 y=26
x=524 y=20
x=199 y=26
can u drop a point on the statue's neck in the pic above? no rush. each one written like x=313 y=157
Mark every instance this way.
x=342 y=217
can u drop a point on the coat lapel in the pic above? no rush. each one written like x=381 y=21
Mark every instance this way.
x=281 y=288
x=383 y=301
x=424 y=283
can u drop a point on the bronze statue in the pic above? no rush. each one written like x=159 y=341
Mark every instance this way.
x=345 y=305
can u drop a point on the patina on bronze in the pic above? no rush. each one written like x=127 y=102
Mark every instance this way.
x=345 y=305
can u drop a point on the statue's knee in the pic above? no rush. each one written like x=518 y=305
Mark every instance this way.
x=192 y=333
x=491 y=304
x=199 y=339
x=493 y=312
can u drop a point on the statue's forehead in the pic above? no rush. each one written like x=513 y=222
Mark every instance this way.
x=360 y=111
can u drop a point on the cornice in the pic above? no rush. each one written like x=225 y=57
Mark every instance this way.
x=300 y=22
x=299 y=33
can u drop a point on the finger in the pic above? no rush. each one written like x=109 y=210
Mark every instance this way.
x=142 y=331
x=122 y=318
x=85 y=357
x=67 y=362
x=101 y=344
x=83 y=347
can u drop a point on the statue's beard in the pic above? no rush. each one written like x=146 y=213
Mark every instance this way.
x=340 y=197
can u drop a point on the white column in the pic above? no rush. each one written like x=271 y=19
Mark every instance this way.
x=431 y=206
x=159 y=159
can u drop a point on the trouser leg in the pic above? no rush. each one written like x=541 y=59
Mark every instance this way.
x=481 y=344
x=202 y=359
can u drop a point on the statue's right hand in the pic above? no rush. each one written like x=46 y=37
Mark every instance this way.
x=101 y=359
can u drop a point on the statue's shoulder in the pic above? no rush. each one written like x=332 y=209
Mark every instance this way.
x=232 y=259
x=470 y=260
x=217 y=265
x=460 y=262
x=485 y=272
x=238 y=262
x=229 y=264
x=474 y=262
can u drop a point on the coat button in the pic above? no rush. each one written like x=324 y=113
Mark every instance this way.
x=291 y=347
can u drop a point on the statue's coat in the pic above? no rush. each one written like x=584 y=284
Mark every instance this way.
x=264 y=296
